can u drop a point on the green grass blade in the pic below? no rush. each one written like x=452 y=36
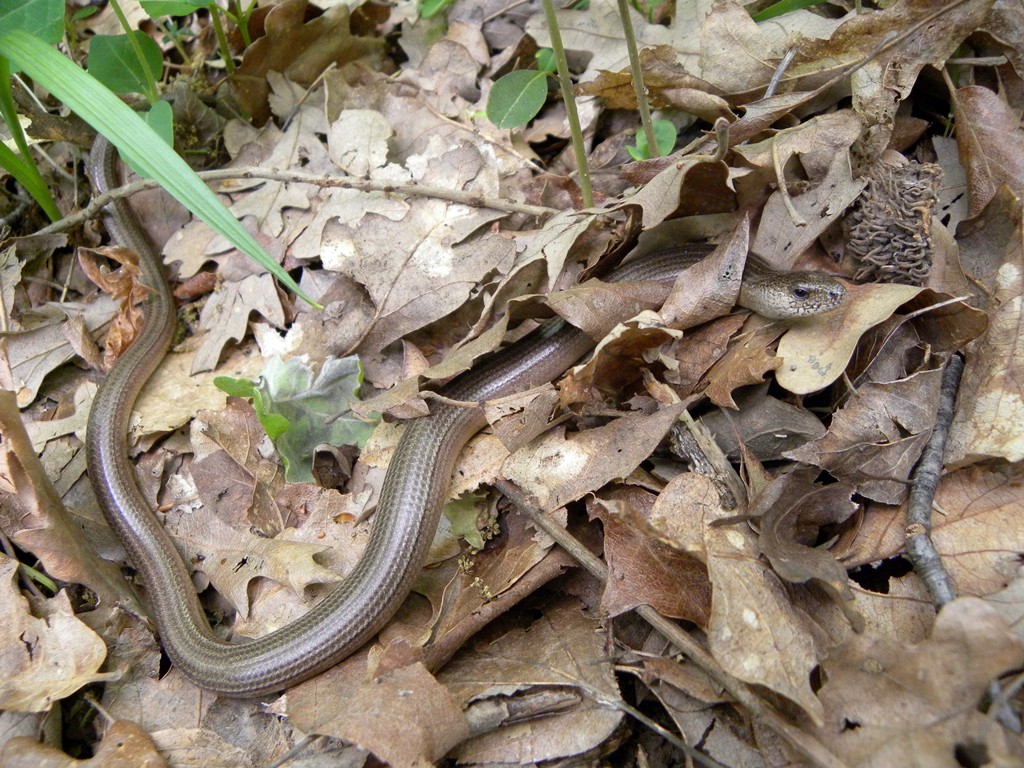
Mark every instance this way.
x=137 y=142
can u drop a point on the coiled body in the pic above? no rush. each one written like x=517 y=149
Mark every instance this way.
x=411 y=499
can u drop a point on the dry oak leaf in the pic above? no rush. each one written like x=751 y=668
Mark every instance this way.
x=124 y=286
x=520 y=418
x=755 y=632
x=557 y=470
x=124 y=745
x=698 y=350
x=233 y=558
x=61 y=331
x=876 y=438
x=980 y=533
x=357 y=144
x=991 y=405
x=43 y=659
x=225 y=315
x=300 y=50
x=642 y=568
x=889 y=703
x=539 y=265
x=743 y=363
x=325 y=519
x=235 y=470
x=709 y=289
x=268 y=200
x=426 y=264
x=405 y=717
x=563 y=649
x=991 y=144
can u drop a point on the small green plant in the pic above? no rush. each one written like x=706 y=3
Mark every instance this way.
x=234 y=13
x=300 y=412
x=133 y=63
x=665 y=134
x=516 y=98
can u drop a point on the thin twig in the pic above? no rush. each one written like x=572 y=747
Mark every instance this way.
x=780 y=70
x=925 y=481
x=297 y=177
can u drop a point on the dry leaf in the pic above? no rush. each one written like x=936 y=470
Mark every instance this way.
x=890 y=704
x=37 y=521
x=299 y=49
x=793 y=510
x=557 y=469
x=124 y=745
x=226 y=315
x=404 y=717
x=989 y=412
x=644 y=570
x=978 y=534
x=876 y=438
x=232 y=559
x=817 y=350
x=991 y=144
x=755 y=632
x=763 y=426
x=124 y=286
x=42 y=660
x=561 y=649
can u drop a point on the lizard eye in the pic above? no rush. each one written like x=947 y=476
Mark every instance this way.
x=801 y=292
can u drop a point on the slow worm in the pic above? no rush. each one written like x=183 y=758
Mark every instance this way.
x=411 y=499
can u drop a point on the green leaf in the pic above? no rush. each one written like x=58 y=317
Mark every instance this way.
x=430 y=8
x=300 y=412
x=235 y=387
x=665 y=133
x=783 y=6
x=160 y=118
x=138 y=144
x=21 y=165
x=275 y=424
x=170 y=8
x=28 y=176
x=112 y=61
x=516 y=98
x=42 y=18
x=546 y=60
